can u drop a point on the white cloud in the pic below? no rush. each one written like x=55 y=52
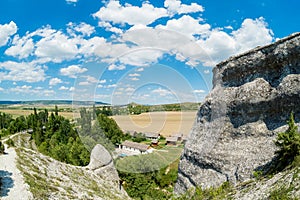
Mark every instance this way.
x=141 y=57
x=206 y=71
x=116 y=13
x=88 y=47
x=71 y=1
x=252 y=33
x=102 y=81
x=90 y=79
x=188 y=26
x=84 y=83
x=22 y=47
x=134 y=75
x=63 y=88
x=140 y=69
x=71 y=89
x=83 y=28
x=6 y=31
x=111 y=86
x=27 y=72
x=56 y=46
x=161 y=92
x=1 y=89
x=109 y=27
x=175 y=6
x=134 y=79
x=220 y=45
x=28 y=90
x=72 y=71
x=116 y=67
x=199 y=91
x=129 y=89
x=54 y=81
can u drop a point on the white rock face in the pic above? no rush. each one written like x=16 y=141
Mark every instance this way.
x=252 y=98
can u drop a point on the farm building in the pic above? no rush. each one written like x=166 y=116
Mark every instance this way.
x=154 y=142
x=135 y=147
x=178 y=135
x=152 y=136
x=171 y=140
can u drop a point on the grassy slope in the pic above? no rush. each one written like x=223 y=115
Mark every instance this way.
x=50 y=179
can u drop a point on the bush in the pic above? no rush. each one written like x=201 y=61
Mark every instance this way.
x=2 y=148
x=289 y=144
x=10 y=143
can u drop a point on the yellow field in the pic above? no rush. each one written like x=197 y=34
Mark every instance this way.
x=16 y=113
x=165 y=123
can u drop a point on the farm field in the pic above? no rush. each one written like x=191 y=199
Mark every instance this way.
x=165 y=123
x=18 y=112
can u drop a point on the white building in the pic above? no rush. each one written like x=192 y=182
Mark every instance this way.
x=135 y=147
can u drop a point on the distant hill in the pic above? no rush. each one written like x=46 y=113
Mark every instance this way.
x=51 y=102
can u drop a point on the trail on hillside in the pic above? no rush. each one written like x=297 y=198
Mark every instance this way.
x=13 y=185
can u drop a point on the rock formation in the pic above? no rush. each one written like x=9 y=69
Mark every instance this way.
x=252 y=97
x=101 y=163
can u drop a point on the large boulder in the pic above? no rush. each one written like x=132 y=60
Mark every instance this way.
x=252 y=97
x=100 y=157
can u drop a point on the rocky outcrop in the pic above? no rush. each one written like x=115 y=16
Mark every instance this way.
x=99 y=157
x=252 y=97
x=102 y=164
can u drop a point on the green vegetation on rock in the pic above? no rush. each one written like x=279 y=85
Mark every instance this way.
x=289 y=145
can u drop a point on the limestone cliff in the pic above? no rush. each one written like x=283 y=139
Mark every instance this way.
x=252 y=97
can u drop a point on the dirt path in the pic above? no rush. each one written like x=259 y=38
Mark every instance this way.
x=14 y=187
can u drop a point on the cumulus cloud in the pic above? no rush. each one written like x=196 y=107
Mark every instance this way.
x=72 y=71
x=54 y=81
x=82 y=28
x=134 y=75
x=56 y=47
x=116 y=67
x=27 y=72
x=102 y=81
x=161 y=92
x=63 y=88
x=199 y=91
x=118 y=14
x=176 y=7
x=1 y=89
x=6 y=31
x=28 y=90
x=22 y=47
x=188 y=26
x=253 y=32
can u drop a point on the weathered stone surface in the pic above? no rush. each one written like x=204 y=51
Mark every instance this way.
x=252 y=98
x=99 y=157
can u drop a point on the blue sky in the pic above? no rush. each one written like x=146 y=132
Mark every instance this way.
x=118 y=52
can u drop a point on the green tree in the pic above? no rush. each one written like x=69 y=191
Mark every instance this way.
x=288 y=143
x=2 y=148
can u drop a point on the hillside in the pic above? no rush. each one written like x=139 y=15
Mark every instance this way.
x=47 y=178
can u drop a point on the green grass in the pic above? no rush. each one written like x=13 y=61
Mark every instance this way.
x=148 y=162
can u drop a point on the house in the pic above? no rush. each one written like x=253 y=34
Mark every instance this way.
x=178 y=135
x=135 y=147
x=152 y=136
x=171 y=140
x=154 y=142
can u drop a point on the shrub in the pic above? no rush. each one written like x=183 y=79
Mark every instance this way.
x=288 y=143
